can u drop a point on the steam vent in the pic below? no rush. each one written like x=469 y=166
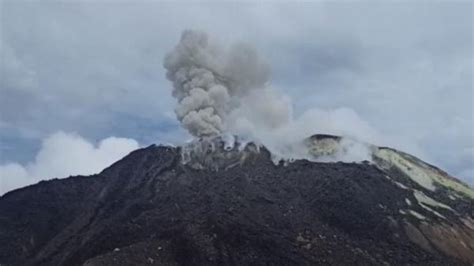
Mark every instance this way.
x=225 y=201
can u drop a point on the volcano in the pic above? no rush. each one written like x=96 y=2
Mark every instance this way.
x=211 y=203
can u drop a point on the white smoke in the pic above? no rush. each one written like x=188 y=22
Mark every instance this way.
x=226 y=90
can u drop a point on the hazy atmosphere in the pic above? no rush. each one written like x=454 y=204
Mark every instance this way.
x=83 y=84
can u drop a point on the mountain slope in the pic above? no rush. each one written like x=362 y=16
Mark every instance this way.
x=236 y=207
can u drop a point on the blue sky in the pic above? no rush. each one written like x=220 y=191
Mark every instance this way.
x=94 y=69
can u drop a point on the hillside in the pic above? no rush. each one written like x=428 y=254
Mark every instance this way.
x=235 y=206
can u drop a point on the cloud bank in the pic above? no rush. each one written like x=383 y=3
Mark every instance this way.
x=403 y=67
x=62 y=155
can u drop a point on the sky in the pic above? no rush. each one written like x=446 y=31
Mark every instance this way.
x=82 y=83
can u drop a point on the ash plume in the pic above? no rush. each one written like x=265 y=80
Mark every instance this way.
x=225 y=90
x=209 y=81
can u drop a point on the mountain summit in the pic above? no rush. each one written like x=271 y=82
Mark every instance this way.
x=227 y=202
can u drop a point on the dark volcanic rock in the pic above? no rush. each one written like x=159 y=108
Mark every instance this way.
x=149 y=209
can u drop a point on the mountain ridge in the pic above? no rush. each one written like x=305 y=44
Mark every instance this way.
x=150 y=208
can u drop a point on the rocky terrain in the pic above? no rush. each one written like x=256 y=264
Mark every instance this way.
x=219 y=204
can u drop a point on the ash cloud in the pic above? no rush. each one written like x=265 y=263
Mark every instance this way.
x=226 y=90
x=210 y=81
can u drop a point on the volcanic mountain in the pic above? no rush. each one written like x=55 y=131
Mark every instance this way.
x=211 y=203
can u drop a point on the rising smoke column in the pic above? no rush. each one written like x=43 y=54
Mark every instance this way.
x=226 y=90
x=210 y=81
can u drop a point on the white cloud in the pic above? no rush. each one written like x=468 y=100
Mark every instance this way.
x=62 y=155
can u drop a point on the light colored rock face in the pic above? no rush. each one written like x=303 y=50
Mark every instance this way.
x=434 y=202
x=425 y=175
x=389 y=158
x=440 y=226
x=319 y=147
x=425 y=200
